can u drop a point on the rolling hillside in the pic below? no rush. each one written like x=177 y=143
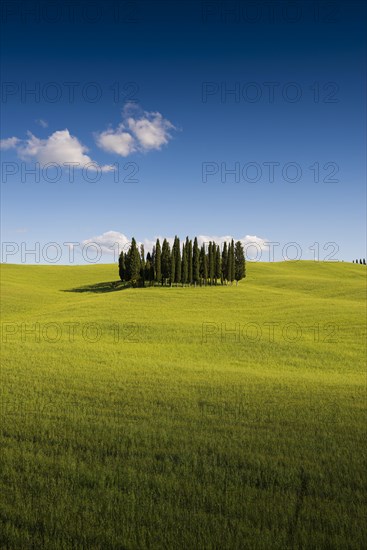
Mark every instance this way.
x=217 y=417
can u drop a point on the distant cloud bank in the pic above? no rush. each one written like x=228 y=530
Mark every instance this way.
x=110 y=241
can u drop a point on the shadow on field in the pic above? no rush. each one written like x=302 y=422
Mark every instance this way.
x=99 y=288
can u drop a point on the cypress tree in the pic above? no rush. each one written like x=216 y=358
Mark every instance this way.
x=196 y=262
x=189 y=256
x=152 y=265
x=173 y=264
x=185 y=264
x=133 y=263
x=214 y=252
x=225 y=263
x=239 y=262
x=142 y=265
x=157 y=262
x=203 y=265
x=122 y=267
x=229 y=263
x=178 y=260
x=233 y=267
x=166 y=261
x=218 y=266
x=127 y=259
x=211 y=262
x=244 y=265
x=149 y=267
x=206 y=266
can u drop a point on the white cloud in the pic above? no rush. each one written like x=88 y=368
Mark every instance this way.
x=138 y=131
x=253 y=239
x=9 y=143
x=42 y=122
x=254 y=247
x=151 y=131
x=60 y=148
x=112 y=241
x=118 y=141
x=109 y=242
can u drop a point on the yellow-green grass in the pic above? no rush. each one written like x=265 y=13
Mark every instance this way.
x=217 y=417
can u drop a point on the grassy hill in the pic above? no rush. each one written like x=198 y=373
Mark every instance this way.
x=217 y=417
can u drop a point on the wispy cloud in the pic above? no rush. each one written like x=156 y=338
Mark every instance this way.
x=42 y=122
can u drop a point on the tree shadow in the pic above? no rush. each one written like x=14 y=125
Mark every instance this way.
x=100 y=288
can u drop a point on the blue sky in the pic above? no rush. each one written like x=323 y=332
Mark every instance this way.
x=152 y=93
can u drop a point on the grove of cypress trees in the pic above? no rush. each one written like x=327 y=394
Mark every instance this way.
x=191 y=265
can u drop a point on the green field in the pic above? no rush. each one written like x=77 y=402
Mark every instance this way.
x=217 y=417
